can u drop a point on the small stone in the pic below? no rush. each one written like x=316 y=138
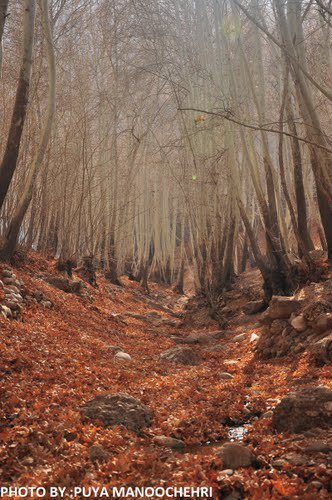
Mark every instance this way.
x=299 y=324
x=240 y=337
x=6 y=273
x=226 y=376
x=115 y=348
x=253 y=337
x=47 y=304
x=169 y=442
x=7 y=311
x=182 y=355
x=295 y=459
x=98 y=453
x=122 y=356
x=227 y=472
x=268 y=414
x=235 y=455
x=9 y=281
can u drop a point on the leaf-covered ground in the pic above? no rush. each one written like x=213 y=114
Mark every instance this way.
x=57 y=359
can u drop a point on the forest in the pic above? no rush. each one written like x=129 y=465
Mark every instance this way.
x=166 y=249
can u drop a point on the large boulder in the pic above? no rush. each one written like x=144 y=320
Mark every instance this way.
x=182 y=355
x=118 y=409
x=322 y=350
x=304 y=409
x=282 y=308
x=235 y=455
x=64 y=284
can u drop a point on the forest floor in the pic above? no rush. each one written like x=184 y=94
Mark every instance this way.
x=55 y=360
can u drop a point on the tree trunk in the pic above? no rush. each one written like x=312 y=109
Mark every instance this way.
x=10 y=243
x=9 y=162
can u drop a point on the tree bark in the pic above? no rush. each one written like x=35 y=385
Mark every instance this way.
x=9 y=162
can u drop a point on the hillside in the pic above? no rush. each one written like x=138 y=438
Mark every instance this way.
x=61 y=353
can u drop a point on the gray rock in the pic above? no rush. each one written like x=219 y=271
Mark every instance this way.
x=214 y=348
x=253 y=337
x=169 y=442
x=295 y=459
x=182 y=355
x=226 y=376
x=322 y=350
x=115 y=348
x=318 y=447
x=118 y=409
x=314 y=485
x=9 y=281
x=240 y=337
x=122 y=356
x=46 y=303
x=302 y=410
x=235 y=455
x=6 y=273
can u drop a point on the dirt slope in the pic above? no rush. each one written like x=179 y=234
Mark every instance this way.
x=55 y=360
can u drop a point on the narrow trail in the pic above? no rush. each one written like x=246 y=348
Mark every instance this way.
x=57 y=359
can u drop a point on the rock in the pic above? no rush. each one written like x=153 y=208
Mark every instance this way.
x=304 y=409
x=253 y=337
x=9 y=281
x=39 y=296
x=267 y=414
x=323 y=323
x=98 y=453
x=6 y=310
x=318 y=447
x=13 y=305
x=199 y=338
x=169 y=442
x=122 y=356
x=214 y=348
x=240 y=337
x=64 y=284
x=295 y=459
x=298 y=323
x=314 y=485
x=183 y=355
x=14 y=289
x=227 y=472
x=46 y=303
x=115 y=348
x=6 y=273
x=235 y=455
x=225 y=376
x=230 y=362
x=282 y=307
x=118 y=409
x=322 y=350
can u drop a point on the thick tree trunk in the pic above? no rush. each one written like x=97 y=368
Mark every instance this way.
x=9 y=162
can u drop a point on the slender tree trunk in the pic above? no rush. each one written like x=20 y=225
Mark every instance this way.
x=9 y=245
x=9 y=162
